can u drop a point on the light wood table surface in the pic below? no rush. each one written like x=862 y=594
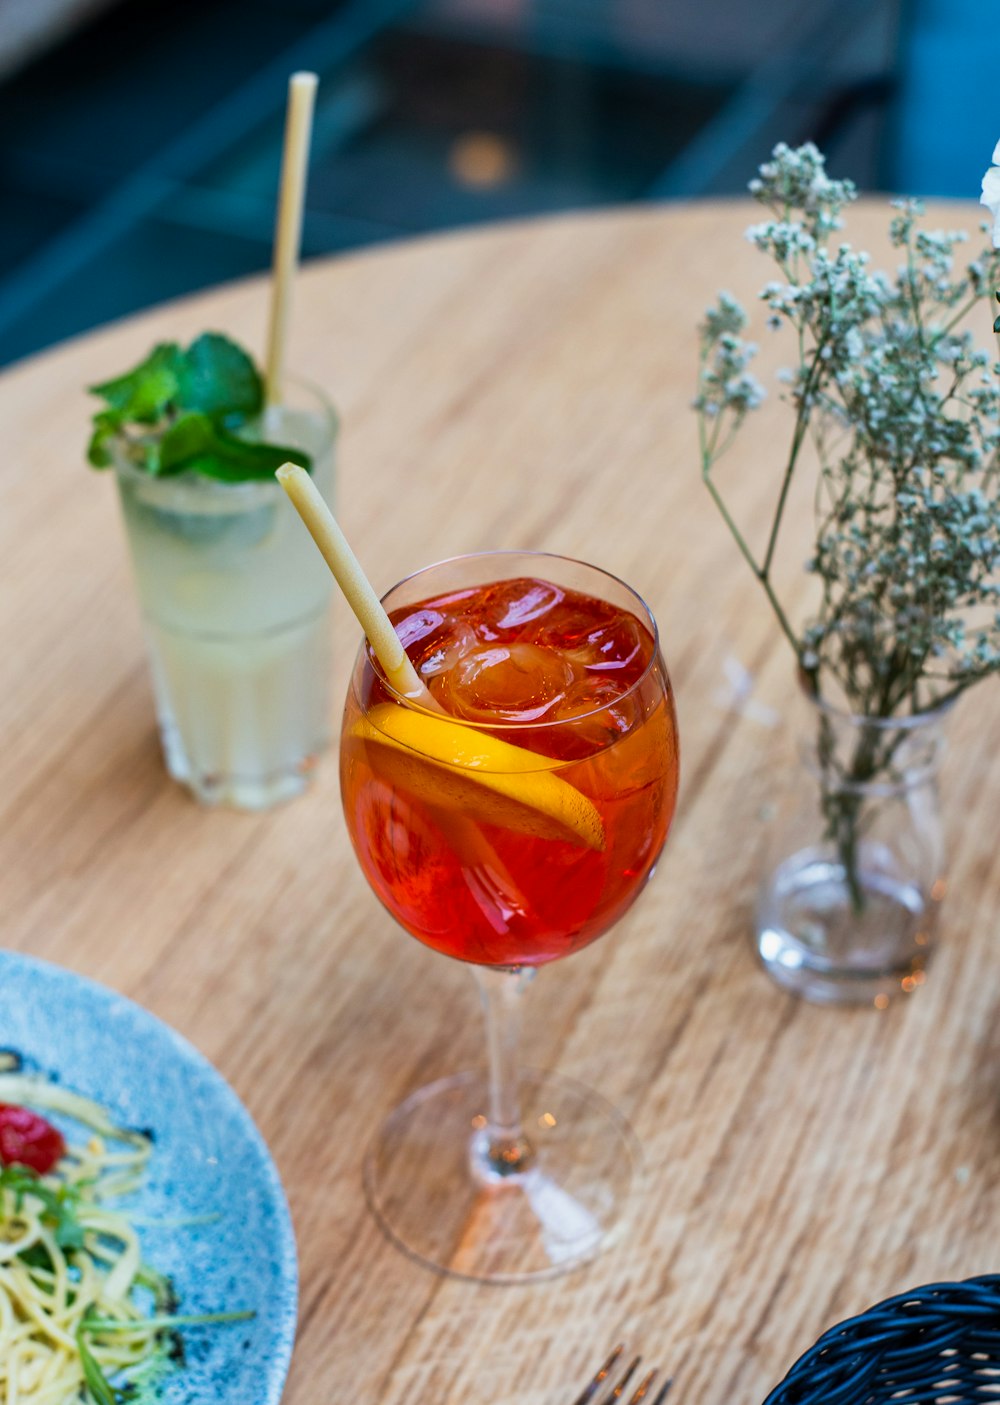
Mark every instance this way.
x=526 y=386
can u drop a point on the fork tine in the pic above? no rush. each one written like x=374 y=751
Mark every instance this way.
x=643 y=1387
x=591 y=1390
x=595 y=1389
x=619 y=1389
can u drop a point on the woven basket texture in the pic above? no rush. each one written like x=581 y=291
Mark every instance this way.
x=935 y=1345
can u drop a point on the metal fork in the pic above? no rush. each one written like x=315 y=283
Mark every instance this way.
x=601 y=1391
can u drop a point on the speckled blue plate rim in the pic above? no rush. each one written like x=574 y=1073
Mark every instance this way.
x=28 y=978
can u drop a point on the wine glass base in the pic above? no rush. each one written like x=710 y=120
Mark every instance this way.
x=423 y=1186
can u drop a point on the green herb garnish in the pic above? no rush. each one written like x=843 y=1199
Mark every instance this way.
x=163 y=1322
x=98 y=1386
x=182 y=412
x=61 y=1204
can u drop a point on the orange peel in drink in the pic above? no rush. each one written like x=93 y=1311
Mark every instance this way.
x=451 y=765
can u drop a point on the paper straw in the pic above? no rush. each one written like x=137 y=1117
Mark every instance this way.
x=288 y=226
x=308 y=503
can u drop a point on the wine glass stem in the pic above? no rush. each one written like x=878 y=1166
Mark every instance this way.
x=501 y=1148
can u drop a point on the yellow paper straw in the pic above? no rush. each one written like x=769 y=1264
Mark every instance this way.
x=322 y=525
x=288 y=226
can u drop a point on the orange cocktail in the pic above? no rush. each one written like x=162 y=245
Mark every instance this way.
x=507 y=809
x=521 y=822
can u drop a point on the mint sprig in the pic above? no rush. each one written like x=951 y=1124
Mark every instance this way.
x=182 y=411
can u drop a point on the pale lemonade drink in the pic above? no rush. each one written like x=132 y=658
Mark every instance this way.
x=236 y=614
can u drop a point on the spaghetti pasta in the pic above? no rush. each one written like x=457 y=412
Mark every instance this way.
x=78 y=1306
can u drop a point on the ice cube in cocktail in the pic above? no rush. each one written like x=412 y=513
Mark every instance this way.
x=530 y=822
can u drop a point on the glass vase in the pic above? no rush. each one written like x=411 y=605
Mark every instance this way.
x=848 y=908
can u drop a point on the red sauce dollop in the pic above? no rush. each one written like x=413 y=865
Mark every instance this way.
x=28 y=1140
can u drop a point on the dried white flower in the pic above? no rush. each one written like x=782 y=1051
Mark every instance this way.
x=904 y=410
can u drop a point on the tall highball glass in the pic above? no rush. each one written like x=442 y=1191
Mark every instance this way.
x=237 y=616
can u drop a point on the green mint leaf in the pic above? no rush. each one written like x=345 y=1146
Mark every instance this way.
x=98 y=1386
x=145 y=393
x=190 y=403
x=233 y=461
x=107 y=425
x=194 y=444
x=219 y=378
x=187 y=438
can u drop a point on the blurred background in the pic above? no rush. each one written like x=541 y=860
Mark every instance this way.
x=140 y=139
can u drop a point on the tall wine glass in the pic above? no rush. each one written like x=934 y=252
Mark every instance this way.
x=507 y=830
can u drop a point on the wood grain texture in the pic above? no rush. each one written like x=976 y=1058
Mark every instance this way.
x=525 y=386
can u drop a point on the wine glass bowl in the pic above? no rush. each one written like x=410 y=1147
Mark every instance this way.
x=508 y=818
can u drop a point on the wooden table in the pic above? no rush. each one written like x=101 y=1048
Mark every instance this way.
x=526 y=386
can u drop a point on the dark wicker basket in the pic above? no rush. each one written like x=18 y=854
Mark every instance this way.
x=936 y=1344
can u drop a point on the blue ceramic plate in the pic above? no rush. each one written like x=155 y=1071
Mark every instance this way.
x=209 y=1163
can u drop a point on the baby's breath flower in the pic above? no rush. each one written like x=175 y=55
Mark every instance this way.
x=904 y=408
